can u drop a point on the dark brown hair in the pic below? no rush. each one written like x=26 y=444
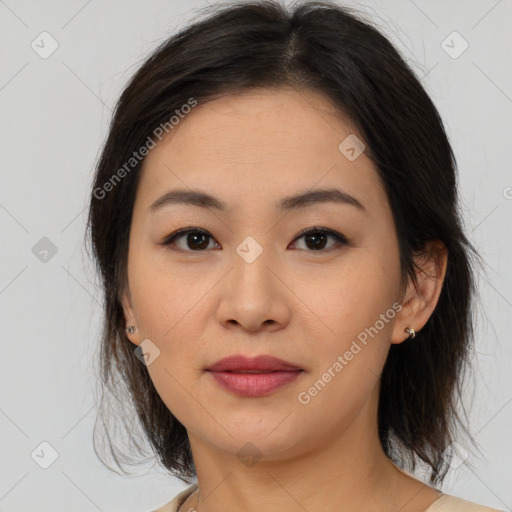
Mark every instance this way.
x=333 y=50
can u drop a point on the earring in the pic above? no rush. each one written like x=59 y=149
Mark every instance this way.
x=411 y=331
x=131 y=329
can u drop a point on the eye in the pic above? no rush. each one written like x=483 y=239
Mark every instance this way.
x=197 y=239
x=315 y=238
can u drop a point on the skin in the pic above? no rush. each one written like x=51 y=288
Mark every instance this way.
x=294 y=302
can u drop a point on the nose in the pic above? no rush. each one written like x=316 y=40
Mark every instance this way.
x=254 y=296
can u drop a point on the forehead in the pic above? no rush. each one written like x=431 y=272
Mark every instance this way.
x=256 y=145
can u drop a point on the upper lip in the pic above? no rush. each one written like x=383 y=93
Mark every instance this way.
x=241 y=363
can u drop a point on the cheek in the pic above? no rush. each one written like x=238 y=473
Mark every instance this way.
x=167 y=297
x=176 y=372
x=353 y=297
x=355 y=323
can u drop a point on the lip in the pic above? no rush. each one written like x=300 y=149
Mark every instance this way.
x=253 y=377
x=241 y=363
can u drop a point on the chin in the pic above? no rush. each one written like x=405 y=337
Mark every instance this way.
x=262 y=440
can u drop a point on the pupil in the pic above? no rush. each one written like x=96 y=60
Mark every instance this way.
x=315 y=237
x=195 y=236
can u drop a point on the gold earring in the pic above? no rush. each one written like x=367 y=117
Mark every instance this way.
x=411 y=331
x=131 y=329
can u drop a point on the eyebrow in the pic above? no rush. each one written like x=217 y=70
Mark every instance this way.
x=302 y=200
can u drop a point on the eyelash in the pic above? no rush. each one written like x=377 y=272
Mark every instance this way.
x=340 y=239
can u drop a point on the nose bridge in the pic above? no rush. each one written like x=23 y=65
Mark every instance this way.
x=250 y=262
x=252 y=295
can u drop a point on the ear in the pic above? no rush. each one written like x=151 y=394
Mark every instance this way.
x=129 y=315
x=420 y=301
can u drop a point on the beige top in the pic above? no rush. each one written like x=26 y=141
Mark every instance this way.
x=445 y=503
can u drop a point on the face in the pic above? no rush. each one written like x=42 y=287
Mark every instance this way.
x=246 y=281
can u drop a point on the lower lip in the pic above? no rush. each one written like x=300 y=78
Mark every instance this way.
x=254 y=384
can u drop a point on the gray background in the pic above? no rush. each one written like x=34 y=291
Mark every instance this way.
x=55 y=113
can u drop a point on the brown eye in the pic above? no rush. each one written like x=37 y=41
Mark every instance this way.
x=316 y=238
x=195 y=240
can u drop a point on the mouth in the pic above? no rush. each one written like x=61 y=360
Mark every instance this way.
x=254 y=377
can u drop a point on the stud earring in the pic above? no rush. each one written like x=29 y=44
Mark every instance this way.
x=411 y=331
x=131 y=329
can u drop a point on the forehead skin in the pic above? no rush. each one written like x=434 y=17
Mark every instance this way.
x=255 y=147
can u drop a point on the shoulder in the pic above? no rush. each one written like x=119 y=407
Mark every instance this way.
x=448 y=503
x=445 y=503
x=178 y=500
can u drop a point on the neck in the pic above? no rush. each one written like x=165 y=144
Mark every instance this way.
x=347 y=470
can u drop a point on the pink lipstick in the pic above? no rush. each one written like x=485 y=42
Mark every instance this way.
x=253 y=377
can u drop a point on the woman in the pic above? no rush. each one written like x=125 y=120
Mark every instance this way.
x=288 y=288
